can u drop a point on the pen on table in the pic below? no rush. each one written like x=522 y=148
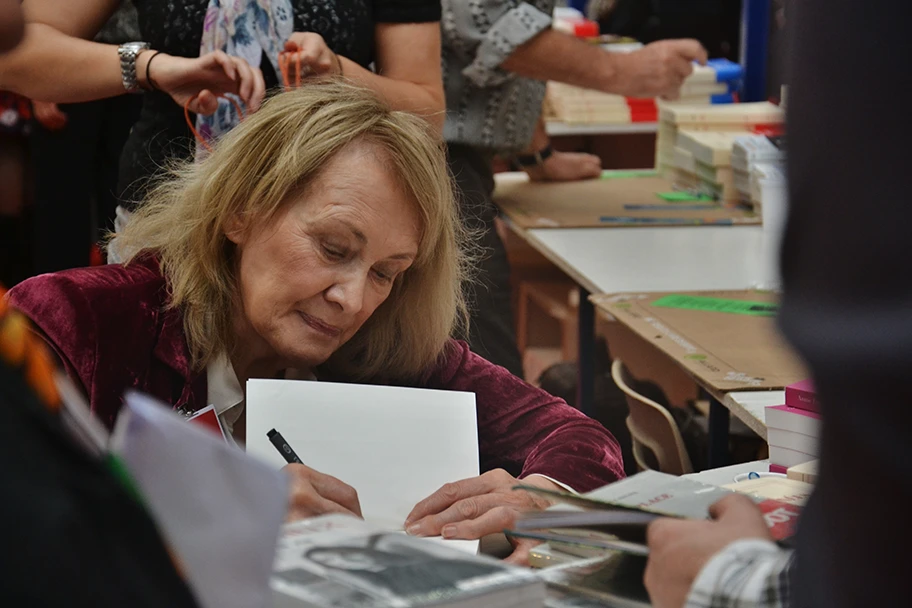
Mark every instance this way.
x=665 y=220
x=282 y=446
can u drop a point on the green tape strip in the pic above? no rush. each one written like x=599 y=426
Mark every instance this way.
x=705 y=303
x=628 y=173
x=682 y=197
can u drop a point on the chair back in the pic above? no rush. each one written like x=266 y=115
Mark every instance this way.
x=651 y=426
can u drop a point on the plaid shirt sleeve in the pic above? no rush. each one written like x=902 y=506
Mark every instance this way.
x=749 y=573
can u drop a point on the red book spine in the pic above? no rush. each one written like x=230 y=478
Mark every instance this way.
x=802 y=398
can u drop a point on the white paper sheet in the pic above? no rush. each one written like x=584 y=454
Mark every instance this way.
x=219 y=509
x=395 y=446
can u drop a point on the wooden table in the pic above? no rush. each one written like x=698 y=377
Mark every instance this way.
x=613 y=260
x=734 y=352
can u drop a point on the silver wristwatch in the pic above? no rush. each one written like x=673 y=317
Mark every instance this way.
x=128 y=51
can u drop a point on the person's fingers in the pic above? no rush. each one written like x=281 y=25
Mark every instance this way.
x=337 y=491
x=733 y=506
x=291 y=45
x=451 y=492
x=689 y=49
x=258 y=92
x=304 y=501
x=205 y=103
x=225 y=62
x=520 y=555
x=492 y=521
x=682 y=69
x=245 y=79
x=463 y=510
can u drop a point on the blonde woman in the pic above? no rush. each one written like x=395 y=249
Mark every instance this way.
x=319 y=239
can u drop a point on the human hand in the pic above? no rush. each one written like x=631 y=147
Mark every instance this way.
x=205 y=77
x=565 y=167
x=658 y=69
x=310 y=51
x=312 y=493
x=678 y=549
x=475 y=507
x=49 y=115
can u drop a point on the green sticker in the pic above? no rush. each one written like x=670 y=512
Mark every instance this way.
x=682 y=197
x=738 y=307
x=622 y=305
x=695 y=357
x=628 y=173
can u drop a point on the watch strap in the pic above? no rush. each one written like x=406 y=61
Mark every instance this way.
x=128 y=52
x=531 y=160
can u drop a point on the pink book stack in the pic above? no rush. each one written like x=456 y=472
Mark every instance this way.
x=793 y=428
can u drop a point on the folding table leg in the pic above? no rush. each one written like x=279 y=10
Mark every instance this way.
x=585 y=388
x=719 y=417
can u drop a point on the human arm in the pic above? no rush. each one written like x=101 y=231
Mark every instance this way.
x=408 y=66
x=57 y=62
x=559 y=166
x=730 y=561
x=517 y=37
x=524 y=434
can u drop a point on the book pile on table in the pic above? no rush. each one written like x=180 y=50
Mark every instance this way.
x=607 y=527
x=713 y=83
x=793 y=429
x=741 y=118
x=338 y=560
x=758 y=169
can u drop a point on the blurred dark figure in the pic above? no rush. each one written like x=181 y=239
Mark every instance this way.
x=715 y=23
x=76 y=155
x=847 y=305
x=15 y=262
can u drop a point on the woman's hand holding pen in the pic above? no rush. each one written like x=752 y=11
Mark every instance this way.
x=312 y=493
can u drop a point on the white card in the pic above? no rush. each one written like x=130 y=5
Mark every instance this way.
x=395 y=446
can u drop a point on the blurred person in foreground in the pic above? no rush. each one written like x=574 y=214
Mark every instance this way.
x=847 y=309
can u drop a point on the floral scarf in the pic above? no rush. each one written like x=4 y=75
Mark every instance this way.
x=245 y=29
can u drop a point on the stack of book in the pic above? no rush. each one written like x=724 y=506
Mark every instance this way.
x=703 y=163
x=793 y=429
x=728 y=118
x=608 y=527
x=758 y=163
x=338 y=560
x=713 y=83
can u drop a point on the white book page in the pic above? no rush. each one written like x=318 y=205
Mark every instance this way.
x=395 y=446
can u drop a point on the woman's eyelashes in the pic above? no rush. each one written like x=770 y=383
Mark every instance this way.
x=334 y=252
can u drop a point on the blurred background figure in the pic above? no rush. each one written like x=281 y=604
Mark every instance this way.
x=75 y=152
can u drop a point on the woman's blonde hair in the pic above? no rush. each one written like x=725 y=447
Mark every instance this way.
x=280 y=150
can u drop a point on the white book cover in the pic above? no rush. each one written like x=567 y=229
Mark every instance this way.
x=395 y=446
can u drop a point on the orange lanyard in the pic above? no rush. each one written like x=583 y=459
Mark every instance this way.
x=20 y=348
x=284 y=64
x=192 y=126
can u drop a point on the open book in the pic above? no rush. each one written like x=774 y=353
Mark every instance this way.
x=615 y=516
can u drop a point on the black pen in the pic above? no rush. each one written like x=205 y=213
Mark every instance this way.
x=282 y=446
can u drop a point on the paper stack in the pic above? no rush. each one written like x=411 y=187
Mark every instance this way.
x=703 y=160
x=709 y=84
x=793 y=429
x=757 y=163
x=337 y=560
x=736 y=117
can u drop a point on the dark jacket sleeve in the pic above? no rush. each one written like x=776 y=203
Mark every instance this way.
x=526 y=431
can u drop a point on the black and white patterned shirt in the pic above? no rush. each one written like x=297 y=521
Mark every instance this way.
x=488 y=107
x=749 y=573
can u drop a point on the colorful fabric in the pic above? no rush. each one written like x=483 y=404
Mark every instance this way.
x=248 y=29
x=21 y=349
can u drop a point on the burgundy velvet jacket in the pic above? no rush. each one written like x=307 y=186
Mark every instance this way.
x=110 y=329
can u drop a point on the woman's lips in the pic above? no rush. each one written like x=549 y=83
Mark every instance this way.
x=324 y=328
